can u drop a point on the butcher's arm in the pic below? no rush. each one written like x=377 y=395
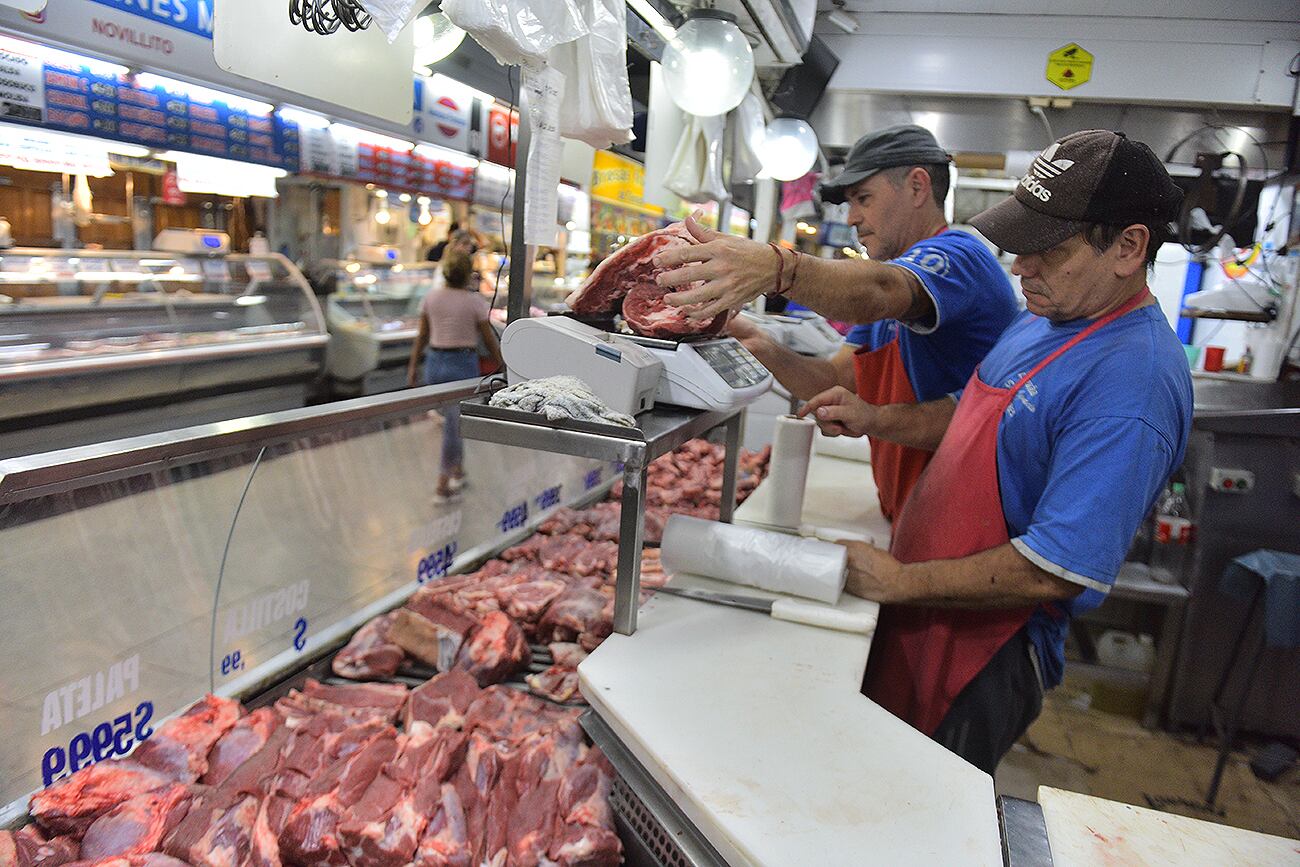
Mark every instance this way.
x=1000 y=577
x=801 y=375
x=731 y=272
x=840 y=412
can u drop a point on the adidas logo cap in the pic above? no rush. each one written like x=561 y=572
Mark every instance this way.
x=1093 y=176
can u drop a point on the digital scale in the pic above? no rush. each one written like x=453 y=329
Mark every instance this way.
x=631 y=373
x=802 y=331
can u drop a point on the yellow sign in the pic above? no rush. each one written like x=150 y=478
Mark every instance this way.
x=617 y=179
x=1069 y=66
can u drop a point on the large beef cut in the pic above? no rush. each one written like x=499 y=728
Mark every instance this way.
x=495 y=650
x=370 y=654
x=73 y=803
x=180 y=746
x=628 y=277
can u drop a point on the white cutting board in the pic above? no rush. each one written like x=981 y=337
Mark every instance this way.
x=840 y=502
x=1085 y=831
x=757 y=730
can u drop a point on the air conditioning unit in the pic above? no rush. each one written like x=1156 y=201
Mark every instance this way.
x=783 y=27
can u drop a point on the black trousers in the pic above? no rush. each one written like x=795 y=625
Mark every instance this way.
x=995 y=708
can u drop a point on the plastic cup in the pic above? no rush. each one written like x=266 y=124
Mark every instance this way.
x=1214 y=358
x=1193 y=355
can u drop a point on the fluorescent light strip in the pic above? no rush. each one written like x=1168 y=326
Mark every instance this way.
x=352 y=133
x=652 y=17
x=217 y=164
x=456 y=158
x=304 y=119
x=203 y=94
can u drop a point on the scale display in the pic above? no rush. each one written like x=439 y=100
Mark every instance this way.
x=733 y=362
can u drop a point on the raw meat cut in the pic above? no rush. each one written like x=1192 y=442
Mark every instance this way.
x=438 y=605
x=379 y=696
x=180 y=746
x=495 y=650
x=532 y=824
x=72 y=804
x=579 y=610
x=628 y=276
x=310 y=834
x=598 y=558
x=28 y=847
x=136 y=826
x=370 y=654
x=239 y=744
x=446 y=840
x=525 y=550
x=424 y=640
x=557 y=553
x=443 y=700
x=527 y=599
x=557 y=683
x=566 y=654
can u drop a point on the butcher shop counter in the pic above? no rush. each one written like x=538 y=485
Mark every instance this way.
x=753 y=745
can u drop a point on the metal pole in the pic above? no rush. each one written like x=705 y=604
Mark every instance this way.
x=627 y=587
x=520 y=297
x=727 y=508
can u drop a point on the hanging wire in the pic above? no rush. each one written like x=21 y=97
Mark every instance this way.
x=325 y=17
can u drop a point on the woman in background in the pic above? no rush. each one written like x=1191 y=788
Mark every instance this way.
x=452 y=320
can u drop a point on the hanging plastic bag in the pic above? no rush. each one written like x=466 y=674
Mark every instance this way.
x=750 y=129
x=695 y=173
x=519 y=32
x=598 y=99
x=392 y=16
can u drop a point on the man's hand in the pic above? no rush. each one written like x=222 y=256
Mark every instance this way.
x=732 y=272
x=840 y=412
x=874 y=574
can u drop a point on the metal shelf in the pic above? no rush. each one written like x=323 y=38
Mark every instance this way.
x=661 y=430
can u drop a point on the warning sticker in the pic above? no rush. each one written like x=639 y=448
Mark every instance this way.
x=1069 y=66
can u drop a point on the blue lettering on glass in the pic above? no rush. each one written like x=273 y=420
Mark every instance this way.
x=211 y=241
x=513 y=518
x=105 y=741
x=231 y=663
x=437 y=564
x=548 y=498
x=592 y=480
x=300 y=634
x=192 y=16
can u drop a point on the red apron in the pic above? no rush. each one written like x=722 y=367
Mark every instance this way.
x=922 y=658
x=882 y=379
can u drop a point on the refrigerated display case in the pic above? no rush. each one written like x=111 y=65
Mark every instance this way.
x=373 y=316
x=98 y=345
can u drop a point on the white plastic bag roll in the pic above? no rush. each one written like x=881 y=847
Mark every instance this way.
x=757 y=558
x=848 y=448
x=787 y=477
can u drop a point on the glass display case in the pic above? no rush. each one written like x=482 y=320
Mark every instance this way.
x=96 y=345
x=373 y=316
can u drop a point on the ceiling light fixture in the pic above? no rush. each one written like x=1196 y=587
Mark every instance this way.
x=789 y=149
x=709 y=65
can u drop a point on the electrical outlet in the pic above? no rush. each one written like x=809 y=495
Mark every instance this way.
x=1230 y=481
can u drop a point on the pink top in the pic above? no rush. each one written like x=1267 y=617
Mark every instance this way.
x=453 y=316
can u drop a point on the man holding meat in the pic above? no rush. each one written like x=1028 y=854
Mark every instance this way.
x=927 y=306
x=1056 y=450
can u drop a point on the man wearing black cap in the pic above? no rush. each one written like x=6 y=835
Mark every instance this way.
x=1060 y=443
x=928 y=306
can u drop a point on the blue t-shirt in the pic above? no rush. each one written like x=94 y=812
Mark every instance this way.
x=1084 y=449
x=973 y=302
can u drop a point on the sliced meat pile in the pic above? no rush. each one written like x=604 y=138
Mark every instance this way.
x=555 y=587
x=626 y=282
x=474 y=776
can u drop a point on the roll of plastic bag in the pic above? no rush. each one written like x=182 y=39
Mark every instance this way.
x=787 y=478
x=757 y=558
x=520 y=32
x=847 y=448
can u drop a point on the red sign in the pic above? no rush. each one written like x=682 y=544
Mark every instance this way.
x=171 y=190
x=502 y=136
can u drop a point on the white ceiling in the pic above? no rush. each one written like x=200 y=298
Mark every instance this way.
x=1244 y=10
